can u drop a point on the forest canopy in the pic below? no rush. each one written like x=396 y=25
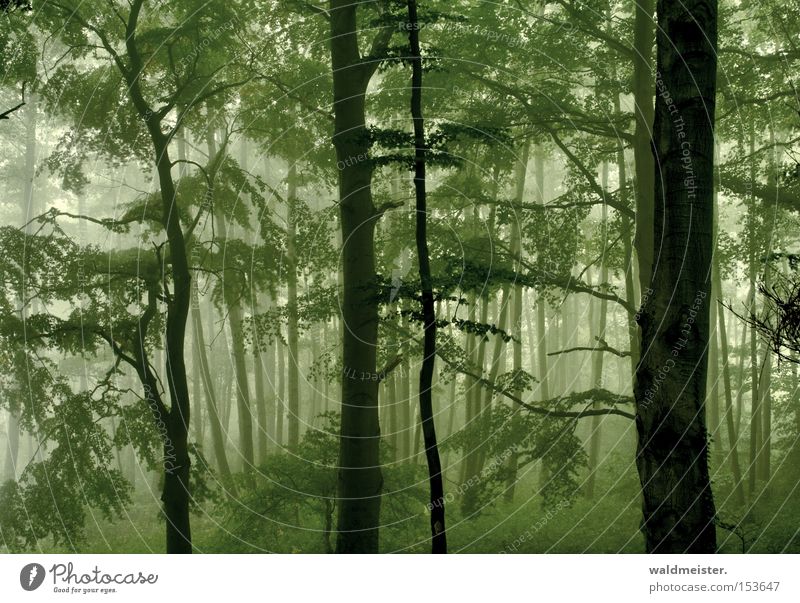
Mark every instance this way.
x=399 y=276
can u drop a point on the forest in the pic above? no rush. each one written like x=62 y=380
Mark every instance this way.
x=399 y=276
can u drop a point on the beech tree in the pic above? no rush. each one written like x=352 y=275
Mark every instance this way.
x=672 y=453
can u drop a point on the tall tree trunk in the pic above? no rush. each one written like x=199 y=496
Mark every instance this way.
x=670 y=390
x=175 y=495
x=438 y=533
x=360 y=481
x=292 y=331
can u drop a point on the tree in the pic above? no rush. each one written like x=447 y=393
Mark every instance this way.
x=360 y=482
x=670 y=388
x=159 y=94
x=437 y=500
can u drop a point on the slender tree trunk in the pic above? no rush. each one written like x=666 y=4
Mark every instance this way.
x=291 y=307
x=175 y=495
x=670 y=390
x=438 y=533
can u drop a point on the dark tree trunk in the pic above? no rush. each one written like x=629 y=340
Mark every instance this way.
x=360 y=481
x=438 y=534
x=176 y=495
x=175 y=422
x=672 y=454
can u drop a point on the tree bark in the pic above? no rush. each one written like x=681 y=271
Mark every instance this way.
x=438 y=533
x=670 y=389
x=360 y=481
